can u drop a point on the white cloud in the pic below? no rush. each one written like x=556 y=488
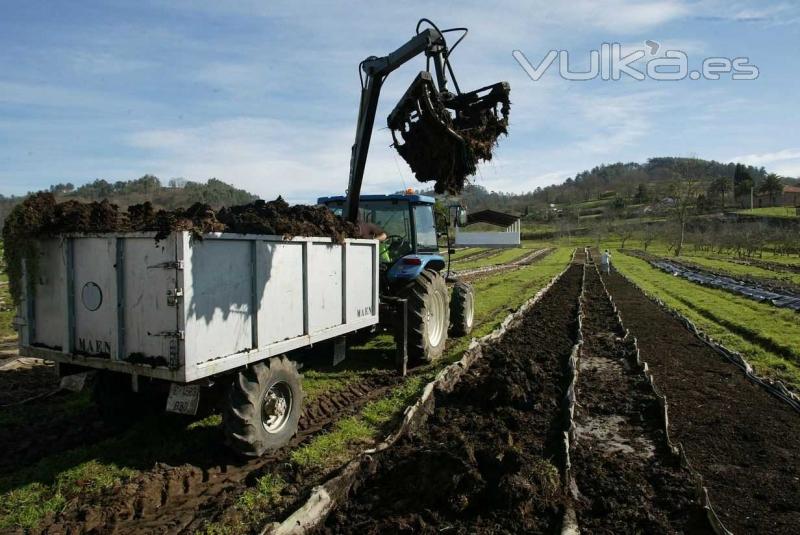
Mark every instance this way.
x=783 y=162
x=269 y=157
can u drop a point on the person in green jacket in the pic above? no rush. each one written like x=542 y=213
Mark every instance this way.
x=371 y=231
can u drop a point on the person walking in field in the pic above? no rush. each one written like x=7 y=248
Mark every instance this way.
x=605 y=262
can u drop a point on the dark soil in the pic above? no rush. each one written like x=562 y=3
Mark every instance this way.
x=488 y=460
x=25 y=379
x=436 y=155
x=743 y=441
x=40 y=216
x=628 y=478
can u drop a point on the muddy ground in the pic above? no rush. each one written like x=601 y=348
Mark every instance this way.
x=177 y=491
x=628 y=479
x=489 y=459
x=743 y=441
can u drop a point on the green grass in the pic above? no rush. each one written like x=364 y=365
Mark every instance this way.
x=502 y=256
x=6 y=306
x=772 y=211
x=768 y=337
x=733 y=268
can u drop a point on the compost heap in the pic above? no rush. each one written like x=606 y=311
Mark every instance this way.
x=40 y=216
x=435 y=155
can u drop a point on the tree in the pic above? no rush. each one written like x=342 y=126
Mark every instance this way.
x=684 y=192
x=647 y=234
x=718 y=187
x=642 y=195
x=625 y=232
x=742 y=184
x=771 y=186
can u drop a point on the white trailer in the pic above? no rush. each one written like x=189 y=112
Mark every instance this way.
x=185 y=311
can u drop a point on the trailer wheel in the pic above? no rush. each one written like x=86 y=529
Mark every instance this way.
x=462 y=309
x=263 y=408
x=428 y=316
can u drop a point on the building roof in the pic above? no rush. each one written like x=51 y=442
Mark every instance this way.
x=791 y=189
x=492 y=217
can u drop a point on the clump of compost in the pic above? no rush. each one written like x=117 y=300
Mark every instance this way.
x=432 y=148
x=41 y=216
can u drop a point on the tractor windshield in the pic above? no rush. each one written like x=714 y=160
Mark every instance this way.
x=395 y=220
x=426 y=228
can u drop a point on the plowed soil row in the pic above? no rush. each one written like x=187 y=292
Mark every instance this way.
x=199 y=487
x=489 y=459
x=743 y=441
x=628 y=479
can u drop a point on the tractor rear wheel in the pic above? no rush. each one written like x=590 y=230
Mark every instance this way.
x=462 y=309
x=263 y=407
x=428 y=317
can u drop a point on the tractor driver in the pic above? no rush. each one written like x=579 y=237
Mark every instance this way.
x=371 y=231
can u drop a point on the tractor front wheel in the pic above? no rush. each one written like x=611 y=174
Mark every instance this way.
x=428 y=317
x=462 y=309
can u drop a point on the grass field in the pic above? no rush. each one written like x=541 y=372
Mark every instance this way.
x=767 y=336
x=772 y=211
x=30 y=493
x=6 y=307
x=725 y=263
x=501 y=256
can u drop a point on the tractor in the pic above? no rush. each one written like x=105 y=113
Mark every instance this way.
x=413 y=272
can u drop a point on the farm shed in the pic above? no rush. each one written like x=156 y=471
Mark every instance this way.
x=508 y=237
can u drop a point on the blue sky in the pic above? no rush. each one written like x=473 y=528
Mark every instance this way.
x=263 y=94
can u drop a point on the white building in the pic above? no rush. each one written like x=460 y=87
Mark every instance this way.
x=508 y=237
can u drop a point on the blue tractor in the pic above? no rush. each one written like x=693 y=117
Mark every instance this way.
x=413 y=273
x=441 y=134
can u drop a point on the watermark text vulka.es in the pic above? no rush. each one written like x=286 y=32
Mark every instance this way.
x=613 y=61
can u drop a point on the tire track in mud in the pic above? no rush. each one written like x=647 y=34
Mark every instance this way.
x=628 y=480
x=490 y=457
x=180 y=499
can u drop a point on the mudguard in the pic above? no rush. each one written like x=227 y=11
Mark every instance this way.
x=410 y=266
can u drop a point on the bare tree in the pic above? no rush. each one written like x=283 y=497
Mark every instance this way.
x=647 y=234
x=625 y=233
x=684 y=196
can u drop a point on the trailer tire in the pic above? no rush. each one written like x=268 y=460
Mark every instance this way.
x=462 y=309
x=428 y=317
x=263 y=407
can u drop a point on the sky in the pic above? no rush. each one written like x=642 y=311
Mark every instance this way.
x=263 y=94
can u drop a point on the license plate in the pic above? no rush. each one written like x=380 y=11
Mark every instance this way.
x=183 y=399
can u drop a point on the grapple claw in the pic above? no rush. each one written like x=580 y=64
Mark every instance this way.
x=444 y=146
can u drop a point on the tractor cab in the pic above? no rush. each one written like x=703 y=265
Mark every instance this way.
x=409 y=222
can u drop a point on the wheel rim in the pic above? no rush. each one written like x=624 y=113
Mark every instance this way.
x=276 y=407
x=434 y=318
x=470 y=312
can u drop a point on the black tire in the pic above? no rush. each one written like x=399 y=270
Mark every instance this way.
x=253 y=393
x=427 y=300
x=117 y=403
x=462 y=309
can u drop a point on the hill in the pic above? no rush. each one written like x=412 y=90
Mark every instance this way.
x=622 y=183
